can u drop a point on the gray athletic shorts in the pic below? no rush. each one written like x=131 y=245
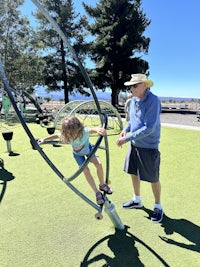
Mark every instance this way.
x=143 y=162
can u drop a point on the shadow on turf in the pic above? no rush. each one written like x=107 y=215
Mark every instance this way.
x=183 y=227
x=122 y=244
x=5 y=176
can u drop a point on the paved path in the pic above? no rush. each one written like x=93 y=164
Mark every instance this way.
x=183 y=121
x=181 y=126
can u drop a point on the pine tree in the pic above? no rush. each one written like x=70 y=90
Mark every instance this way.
x=61 y=72
x=118 y=29
x=18 y=47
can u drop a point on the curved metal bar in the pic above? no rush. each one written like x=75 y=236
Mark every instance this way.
x=32 y=100
x=82 y=167
x=35 y=103
x=77 y=107
x=35 y=144
x=78 y=104
x=95 y=147
x=89 y=83
x=83 y=71
x=85 y=75
x=72 y=51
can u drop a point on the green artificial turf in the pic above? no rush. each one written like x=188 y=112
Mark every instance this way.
x=44 y=223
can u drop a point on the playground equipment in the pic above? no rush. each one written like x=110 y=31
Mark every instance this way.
x=21 y=98
x=50 y=129
x=87 y=112
x=102 y=117
x=8 y=135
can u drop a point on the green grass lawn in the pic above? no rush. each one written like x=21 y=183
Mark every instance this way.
x=44 y=223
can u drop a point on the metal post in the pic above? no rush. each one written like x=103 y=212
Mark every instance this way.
x=110 y=210
x=9 y=146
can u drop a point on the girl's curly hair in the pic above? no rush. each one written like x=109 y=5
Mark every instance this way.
x=71 y=129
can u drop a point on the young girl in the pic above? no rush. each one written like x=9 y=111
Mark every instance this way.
x=74 y=133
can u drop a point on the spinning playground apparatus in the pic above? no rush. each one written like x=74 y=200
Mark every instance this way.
x=109 y=207
x=87 y=112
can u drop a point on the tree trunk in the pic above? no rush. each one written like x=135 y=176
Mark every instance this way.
x=114 y=87
x=64 y=73
x=114 y=101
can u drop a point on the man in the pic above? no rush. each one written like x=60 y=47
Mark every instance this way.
x=143 y=157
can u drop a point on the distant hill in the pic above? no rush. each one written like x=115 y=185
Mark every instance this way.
x=178 y=99
x=105 y=96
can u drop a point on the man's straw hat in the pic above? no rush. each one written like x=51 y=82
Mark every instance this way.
x=139 y=78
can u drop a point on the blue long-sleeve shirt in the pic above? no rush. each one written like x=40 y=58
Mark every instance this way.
x=144 y=125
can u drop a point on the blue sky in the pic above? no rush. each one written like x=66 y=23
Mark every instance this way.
x=174 y=52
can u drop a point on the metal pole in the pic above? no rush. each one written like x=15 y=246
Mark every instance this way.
x=110 y=210
x=9 y=146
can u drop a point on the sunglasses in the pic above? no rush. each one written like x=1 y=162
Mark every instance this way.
x=135 y=85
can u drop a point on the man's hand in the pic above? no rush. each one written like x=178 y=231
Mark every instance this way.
x=121 y=140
